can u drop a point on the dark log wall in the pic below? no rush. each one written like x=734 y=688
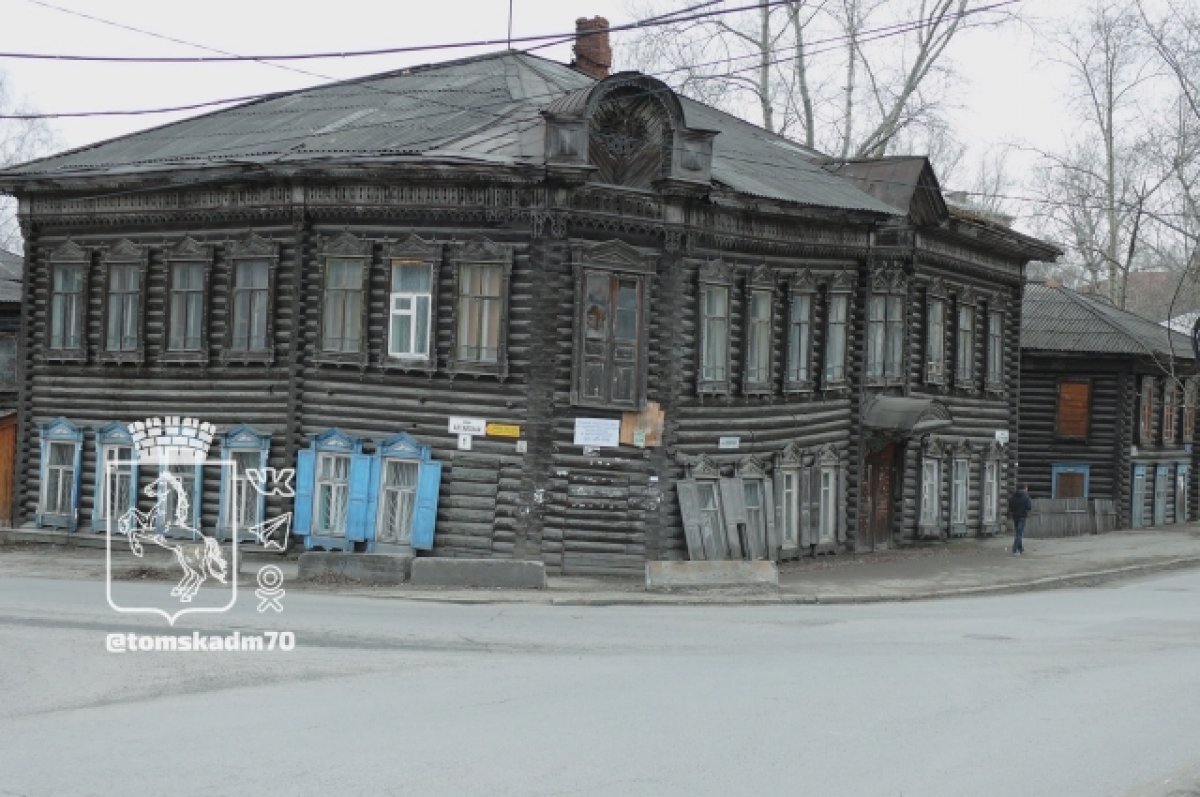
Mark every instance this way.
x=93 y=393
x=1113 y=437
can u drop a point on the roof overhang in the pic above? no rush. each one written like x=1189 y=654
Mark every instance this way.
x=903 y=416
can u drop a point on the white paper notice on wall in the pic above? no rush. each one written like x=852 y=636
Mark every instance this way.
x=464 y=442
x=597 y=432
x=1002 y=436
x=729 y=442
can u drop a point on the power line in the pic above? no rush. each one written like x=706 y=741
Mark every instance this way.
x=137 y=59
x=867 y=36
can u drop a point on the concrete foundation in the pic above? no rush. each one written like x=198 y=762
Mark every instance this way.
x=702 y=575
x=505 y=573
x=363 y=568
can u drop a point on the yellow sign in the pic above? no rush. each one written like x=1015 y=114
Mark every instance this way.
x=503 y=430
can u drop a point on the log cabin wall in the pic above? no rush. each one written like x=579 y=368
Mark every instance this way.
x=95 y=390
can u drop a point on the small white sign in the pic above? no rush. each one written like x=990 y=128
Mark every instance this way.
x=597 y=432
x=468 y=425
x=464 y=442
x=729 y=442
x=1002 y=436
x=522 y=446
x=1133 y=451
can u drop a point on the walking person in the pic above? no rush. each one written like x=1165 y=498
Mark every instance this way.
x=1019 y=507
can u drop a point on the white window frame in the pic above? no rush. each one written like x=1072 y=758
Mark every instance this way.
x=64 y=503
x=931 y=491
x=714 y=377
x=414 y=297
x=960 y=490
x=404 y=536
x=319 y=483
x=110 y=461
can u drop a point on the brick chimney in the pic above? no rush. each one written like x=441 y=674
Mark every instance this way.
x=593 y=55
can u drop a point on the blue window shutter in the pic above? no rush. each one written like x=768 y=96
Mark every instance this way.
x=360 y=490
x=429 y=481
x=372 y=514
x=78 y=479
x=305 y=474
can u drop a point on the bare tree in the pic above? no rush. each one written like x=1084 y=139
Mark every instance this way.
x=1097 y=191
x=848 y=76
x=20 y=140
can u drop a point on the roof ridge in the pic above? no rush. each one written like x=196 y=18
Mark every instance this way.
x=1136 y=338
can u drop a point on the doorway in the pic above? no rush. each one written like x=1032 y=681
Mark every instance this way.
x=880 y=481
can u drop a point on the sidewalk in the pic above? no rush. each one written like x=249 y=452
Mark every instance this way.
x=956 y=568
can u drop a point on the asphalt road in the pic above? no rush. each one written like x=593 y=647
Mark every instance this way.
x=1071 y=692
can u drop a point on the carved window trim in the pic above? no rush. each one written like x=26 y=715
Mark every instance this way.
x=1146 y=411
x=715 y=276
x=929 y=509
x=760 y=286
x=798 y=373
x=350 y=248
x=1170 y=412
x=994 y=365
x=936 y=305
x=839 y=294
x=481 y=252
x=413 y=250
x=68 y=257
x=253 y=248
x=960 y=499
x=1189 y=409
x=187 y=253
x=989 y=488
x=613 y=260
x=966 y=340
x=886 y=326
x=125 y=255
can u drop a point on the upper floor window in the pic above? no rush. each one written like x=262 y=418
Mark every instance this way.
x=8 y=362
x=124 y=309
x=1073 y=411
x=835 y=339
x=249 y=327
x=714 y=329
x=610 y=337
x=251 y=303
x=885 y=338
x=481 y=308
x=935 y=341
x=799 y=346
x=342 y=326
x=964 y=345
x=1170 y=408
x=995 y=349
x=1146 y=411
x=1189 y=410
x=186 y=307
x=66 y=307
x=410 y=302
x=759 y=321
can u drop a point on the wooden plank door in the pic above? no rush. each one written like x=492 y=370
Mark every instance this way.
x=8 y=453
x=881 y=474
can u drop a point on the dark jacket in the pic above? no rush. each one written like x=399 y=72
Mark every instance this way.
x=1020 y=505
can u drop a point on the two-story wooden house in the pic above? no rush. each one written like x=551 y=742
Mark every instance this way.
x=1108 y=407
x=502 y=308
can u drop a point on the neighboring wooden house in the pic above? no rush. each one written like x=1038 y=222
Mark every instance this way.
x=1108 y=407
x=688 y=336
x=11 y=275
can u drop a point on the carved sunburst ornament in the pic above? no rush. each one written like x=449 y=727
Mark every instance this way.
x=620 y=134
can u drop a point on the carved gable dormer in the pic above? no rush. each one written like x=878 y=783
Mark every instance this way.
x=69 y=252
x=188 y=249
x=716 y=272
x=413 y=248
x=125 y=251
x=346 y=244
x=629 y=130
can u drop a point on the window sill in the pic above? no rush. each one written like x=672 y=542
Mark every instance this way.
x=798 y=387
x=757 y=389
x=712 y=389
x=248 y=357
x=423 y=364
x=121 y=358
x=64 y=356
x=478 y=369
x=353 y=360
x=184 y=358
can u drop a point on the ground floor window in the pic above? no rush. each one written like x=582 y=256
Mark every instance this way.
x=959 y=493
x=1161 y=482
x=1070 y=481
x=58 y=498
x=245 y=451
x=1182 y=490
x=991 y=490
x=179 y=499
x=931 y=483
x=828 y=511
x=1137 y=498
x=333 y=494
x=398 y=501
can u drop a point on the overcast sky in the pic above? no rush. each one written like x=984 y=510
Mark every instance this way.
x=1011 y=93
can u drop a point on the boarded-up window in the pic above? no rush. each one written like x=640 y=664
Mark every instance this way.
x=1146 y=424
x=1189 y=410
x=1074 y=406
x=1170 y=405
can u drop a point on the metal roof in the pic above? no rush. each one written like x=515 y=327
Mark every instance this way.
x=485 y=109
x=1054 y=318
